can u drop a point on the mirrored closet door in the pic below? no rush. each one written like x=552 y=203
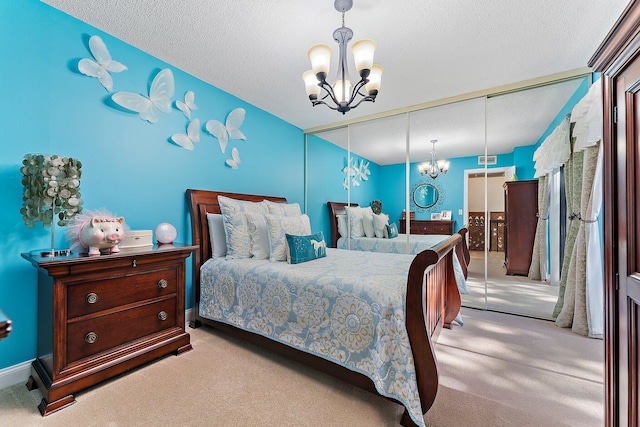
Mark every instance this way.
x=489 y=142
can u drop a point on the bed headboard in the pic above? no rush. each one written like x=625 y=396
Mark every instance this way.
x=335 y=209
x=200 y=203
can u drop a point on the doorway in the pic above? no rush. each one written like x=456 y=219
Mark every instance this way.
x=490 y=288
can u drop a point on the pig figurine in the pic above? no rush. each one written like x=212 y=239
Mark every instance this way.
x=96 y=231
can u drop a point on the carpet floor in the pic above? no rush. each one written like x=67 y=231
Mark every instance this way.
x=497 y=370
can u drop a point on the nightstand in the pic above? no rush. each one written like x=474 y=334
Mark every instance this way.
x=100 y=316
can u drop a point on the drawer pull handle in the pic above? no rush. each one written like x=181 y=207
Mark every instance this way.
x=134 y=264
x=91 y=337
x=162 y=315
x=162 y=283
x=92 y=298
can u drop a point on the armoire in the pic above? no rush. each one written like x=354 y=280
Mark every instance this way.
x=521 y=215
x=618 y=59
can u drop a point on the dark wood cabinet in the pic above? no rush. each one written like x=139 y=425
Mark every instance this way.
x=521 y=215
x=419 y=226
x=100 y=316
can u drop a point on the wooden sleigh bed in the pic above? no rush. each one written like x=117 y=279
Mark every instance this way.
x=462 y=249
x=432 y=301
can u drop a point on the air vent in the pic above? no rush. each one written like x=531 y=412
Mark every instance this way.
x=487 y=160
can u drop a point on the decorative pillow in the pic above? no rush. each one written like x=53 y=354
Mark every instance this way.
x=392 y=231
x=305 y=248
x=284 y=209
x=257 y=224
x=367 y=224
x=342 y=225
x=278 y=226
x=354 y=219
x=379 y=223
x=216 y=235
x=235 y=225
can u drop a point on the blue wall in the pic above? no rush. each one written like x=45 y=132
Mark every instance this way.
x=129 y=166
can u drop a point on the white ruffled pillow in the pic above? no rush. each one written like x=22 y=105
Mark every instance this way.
x=257 y=224
x=354 y=219
x=217 y=236
x=236 y=229
x=278 y=226
x=367 y=224
x=283 y=209
x=380 y=222
x=342 y=225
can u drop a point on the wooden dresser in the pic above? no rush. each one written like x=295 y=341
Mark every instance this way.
x=521 y=214
x=103 y=315
x=420 y=226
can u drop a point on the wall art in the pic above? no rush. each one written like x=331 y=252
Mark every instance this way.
x=103 y=64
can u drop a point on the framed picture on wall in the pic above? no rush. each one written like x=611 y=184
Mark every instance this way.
x=446 y=215
x=436 y=216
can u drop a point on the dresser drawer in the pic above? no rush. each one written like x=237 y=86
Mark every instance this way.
x=97 y=295
x=441 y=229
x=101 y=333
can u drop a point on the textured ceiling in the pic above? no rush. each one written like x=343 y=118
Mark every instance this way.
x=436 y=49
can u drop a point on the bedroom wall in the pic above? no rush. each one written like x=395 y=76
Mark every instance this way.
x=325 y=177
x=129 y=166
x=393 y=185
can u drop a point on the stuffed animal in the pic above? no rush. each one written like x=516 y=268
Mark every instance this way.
x=96 y=232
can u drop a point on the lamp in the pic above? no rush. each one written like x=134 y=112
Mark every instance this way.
x=435 y=167
x=343 y=95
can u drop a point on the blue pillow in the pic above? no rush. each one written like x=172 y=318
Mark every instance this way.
x=305 y=248
x=392 y=230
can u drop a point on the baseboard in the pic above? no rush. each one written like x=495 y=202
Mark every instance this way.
x=20 y=373
x=15 y=374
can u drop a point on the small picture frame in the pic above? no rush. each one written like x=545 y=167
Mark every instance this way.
x=446 y=215
x=436 y=216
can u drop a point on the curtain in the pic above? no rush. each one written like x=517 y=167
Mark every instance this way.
x=582 y=308
x=573 y=188
x=538 y=268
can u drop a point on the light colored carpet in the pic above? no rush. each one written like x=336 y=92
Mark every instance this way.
x=498 y=370
x=507 y=294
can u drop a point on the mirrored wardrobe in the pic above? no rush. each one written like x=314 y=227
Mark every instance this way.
x=465 y=162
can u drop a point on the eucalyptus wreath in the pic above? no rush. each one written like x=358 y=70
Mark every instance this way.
x=51 y=189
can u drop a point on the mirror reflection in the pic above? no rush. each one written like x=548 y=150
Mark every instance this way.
x=425 y=195
x=489 y=144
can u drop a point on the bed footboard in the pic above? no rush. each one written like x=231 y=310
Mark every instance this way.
x=430 y=305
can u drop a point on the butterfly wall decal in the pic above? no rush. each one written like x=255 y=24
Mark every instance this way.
x=193 y=135
x=234 y=161
x=148 y=108
x=103 y=64
x=230 y=130
x=188 y=104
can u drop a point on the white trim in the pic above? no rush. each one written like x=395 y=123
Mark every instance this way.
x=15 y=374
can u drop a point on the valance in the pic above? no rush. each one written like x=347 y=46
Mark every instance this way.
x=587 y=115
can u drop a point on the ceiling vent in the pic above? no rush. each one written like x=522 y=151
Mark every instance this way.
x=487 y=160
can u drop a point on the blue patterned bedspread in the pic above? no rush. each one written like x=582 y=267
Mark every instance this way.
x=348 y=307
x=398 y=245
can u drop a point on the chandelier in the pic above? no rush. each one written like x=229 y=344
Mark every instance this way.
x=342 y=95
x=435 y=167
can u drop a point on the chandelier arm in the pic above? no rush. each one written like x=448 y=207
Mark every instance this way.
x=327 y=87
x=356 y=90
x=365 y=98
x=316 y=102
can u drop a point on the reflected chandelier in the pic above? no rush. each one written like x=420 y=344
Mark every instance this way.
x=343 y=96
x=434 y=168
